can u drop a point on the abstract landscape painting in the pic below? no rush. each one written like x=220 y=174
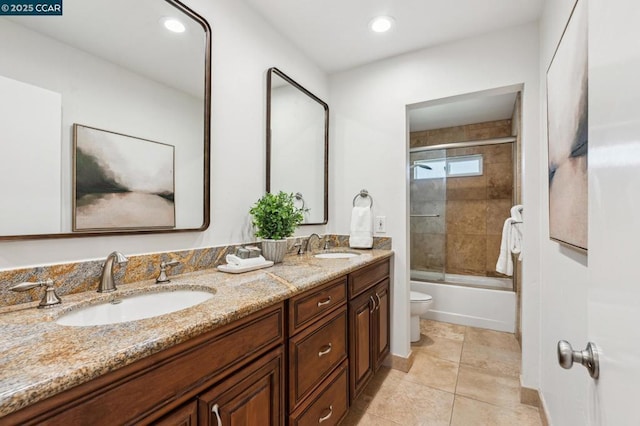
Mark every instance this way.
x=567 y=121
x=121 y=182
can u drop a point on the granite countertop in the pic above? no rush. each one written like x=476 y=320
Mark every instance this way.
x=39 y=358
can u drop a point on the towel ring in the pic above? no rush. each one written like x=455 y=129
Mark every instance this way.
x=363 y=194
x=298 y=197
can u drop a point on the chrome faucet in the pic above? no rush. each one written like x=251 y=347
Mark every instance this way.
x=106 y=280
x=306 y=247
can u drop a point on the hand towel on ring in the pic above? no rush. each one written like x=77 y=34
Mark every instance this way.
x=361 y=230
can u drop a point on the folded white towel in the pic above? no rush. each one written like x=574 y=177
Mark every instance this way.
x=361 y=231
x=234 y=260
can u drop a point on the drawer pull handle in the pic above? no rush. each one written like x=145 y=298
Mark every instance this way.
x=373 y=304
x=322 y=419
x=325 y=351
x=379 y=301
x=215 y=410
x=324 y=302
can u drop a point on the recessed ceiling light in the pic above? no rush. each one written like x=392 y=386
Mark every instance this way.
x=173 y=25
x=381 y=24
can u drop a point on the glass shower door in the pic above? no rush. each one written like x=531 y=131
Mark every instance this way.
x=427 y=199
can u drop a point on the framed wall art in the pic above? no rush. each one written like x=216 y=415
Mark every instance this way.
x=121 y=182
x=567 y=131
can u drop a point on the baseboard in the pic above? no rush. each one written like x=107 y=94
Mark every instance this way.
x=472 y=321
x=530 y=396
x=544 y=414
x=400 y=363
x=533 y=397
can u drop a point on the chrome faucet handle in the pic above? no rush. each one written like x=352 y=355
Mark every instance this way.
x=162 y=277
x=49 y=299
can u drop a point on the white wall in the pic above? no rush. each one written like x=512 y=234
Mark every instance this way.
x=564 y=274
x=369 y=136
x=244 y=47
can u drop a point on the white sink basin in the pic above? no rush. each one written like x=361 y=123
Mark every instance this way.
x=134 y=308
x=336 y=255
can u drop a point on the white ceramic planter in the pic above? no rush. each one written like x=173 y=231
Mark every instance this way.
x=274 y=250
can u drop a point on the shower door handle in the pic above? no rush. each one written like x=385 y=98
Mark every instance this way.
x=424 y=215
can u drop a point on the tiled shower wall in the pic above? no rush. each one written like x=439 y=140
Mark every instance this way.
x=475 y=206
x=469 y=132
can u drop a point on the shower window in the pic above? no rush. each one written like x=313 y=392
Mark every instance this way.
x=467 y=165
x=438 y=168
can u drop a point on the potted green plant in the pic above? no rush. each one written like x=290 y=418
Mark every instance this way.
x=275 y=217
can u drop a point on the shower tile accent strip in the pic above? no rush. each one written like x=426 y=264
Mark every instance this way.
x=77 y=277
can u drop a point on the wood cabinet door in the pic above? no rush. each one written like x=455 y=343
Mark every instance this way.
x=382 y=322
x=360 y=342
x=252 y=396
x=185 y=415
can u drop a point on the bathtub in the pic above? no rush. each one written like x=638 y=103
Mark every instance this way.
x=476 y=307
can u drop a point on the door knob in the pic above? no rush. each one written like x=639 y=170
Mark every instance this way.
x=588 y=357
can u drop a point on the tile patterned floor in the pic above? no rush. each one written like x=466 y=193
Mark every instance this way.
x=461 y=376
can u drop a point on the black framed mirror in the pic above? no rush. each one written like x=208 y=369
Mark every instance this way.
x=298 y=145
x=137 y=75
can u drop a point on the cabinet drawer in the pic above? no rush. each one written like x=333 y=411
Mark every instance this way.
x=328 y=405
x=149 y=386
x=305 y=308
x=366 y=277
x=314 y=353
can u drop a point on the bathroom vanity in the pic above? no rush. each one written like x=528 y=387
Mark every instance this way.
x=293 y=344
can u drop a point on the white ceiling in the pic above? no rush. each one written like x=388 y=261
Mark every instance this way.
x=335 y=33
x=471 y=110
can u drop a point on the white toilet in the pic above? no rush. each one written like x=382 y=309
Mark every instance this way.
x=420 y=303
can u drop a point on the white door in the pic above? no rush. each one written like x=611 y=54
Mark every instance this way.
x=614 y=198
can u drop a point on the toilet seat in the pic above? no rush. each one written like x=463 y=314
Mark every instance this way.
x=416 y=296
